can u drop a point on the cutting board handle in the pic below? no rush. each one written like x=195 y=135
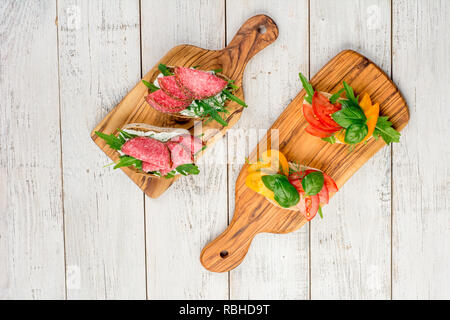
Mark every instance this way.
x=254 y=35
x=229 y=249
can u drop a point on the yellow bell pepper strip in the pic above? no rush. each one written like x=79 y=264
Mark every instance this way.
x=271 y=159
x=254 y=182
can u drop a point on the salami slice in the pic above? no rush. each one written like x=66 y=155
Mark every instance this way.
x=199 y=84
x=148 y=150
x=189 y=142
x=146 y=167
x=170 y=86
x=164 y=103
x=179 y=154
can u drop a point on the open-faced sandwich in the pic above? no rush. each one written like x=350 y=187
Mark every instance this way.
x=191 y=93
x=349 y=120
x=289 y=185
x=155 y=151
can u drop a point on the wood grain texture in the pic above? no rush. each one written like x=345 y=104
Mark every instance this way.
x=351 y=246
x=134 y=109
x=31 y=219
x=104 y=215
x=421 y=171
x=194 y=209
x=253 y=214
x=276 y=267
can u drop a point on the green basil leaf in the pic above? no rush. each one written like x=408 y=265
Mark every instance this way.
x=308 y=88
x=285 y=194
x=356 y=133
x=111 y=140
x=336 y=96
x=164 y=70
x=320 y=212
x=312 y=183
x=349 y=114
x=270 y=180
x=126 y=161
x=330 y=139
x=151 y=86
x=186 y=169
x=385 y=130
x=349 y=93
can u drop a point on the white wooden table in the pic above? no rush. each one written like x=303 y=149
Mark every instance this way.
x=70 y=228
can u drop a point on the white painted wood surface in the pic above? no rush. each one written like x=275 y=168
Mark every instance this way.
x=31 y=216
x=421 y=169
x=99 y=57
x=58 y=80
x=350 y=247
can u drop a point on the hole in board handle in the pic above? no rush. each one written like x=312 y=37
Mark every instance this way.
x=262 y=29
x=223 y=254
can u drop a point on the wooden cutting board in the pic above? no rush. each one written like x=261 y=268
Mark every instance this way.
x=254 y=35
x=253 y=213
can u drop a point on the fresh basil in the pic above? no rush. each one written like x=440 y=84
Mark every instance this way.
x=308 y=88
x=126 y=161
x=320 y=212
x=384 y=130
x=356 y=133
x=336 y=96
x=349 y=115
x=312 y=183
x=164 y=70
x=186 y=169
x=151 y=86
x=111 y=140
x=349 y=93
x=285 y=193
x=330 y=139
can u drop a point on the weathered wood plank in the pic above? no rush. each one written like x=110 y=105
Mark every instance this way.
x=99 y=53
x=421 y=194
x=31 y=217
x=194 y=209
x=276 y=266
x=350 y=247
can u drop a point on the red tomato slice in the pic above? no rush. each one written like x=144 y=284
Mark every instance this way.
x=317 y=132
x=323 y=195
x=329 y=182
x=316 y=124
x=323 y=109
x=311 y=207
x=297 y=183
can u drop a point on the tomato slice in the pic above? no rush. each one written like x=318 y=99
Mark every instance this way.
x=323 y=109
x=323 y=195
x=329 y=182
x=311 y=207
x=317 y=132
x=308 y=113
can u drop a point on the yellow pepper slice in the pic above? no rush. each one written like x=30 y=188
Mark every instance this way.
x=254 y=182
x=272 y=160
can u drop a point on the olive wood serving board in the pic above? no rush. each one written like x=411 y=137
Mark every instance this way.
x=253 y=213
x=255 y=34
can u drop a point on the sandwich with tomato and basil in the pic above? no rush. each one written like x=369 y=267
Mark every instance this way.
x=344 y=119
x=290 y=185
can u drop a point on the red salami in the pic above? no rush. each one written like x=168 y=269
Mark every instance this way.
x=169 y=85
x=179 y=154
x=148 y=150
x=189 y=142
x=199 y=84
x=146 y=167
x=164 y=103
